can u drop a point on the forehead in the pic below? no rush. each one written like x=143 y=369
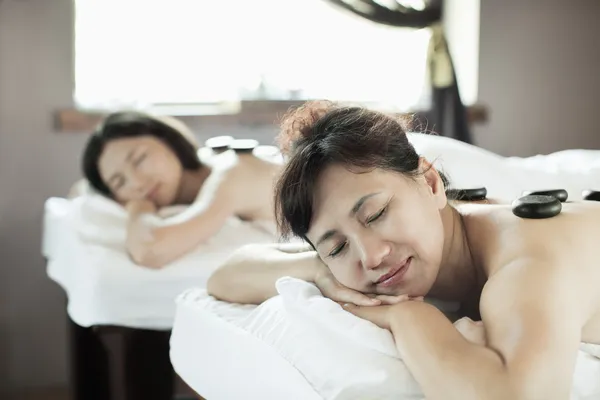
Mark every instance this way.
x=338 y=190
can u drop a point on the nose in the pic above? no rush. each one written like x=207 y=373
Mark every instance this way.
x=373 y=251
x=137 y=183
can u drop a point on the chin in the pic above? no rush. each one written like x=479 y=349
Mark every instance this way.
x=422 y=289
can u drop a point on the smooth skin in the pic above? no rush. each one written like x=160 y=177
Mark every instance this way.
x=534 y=282
x=145 y=175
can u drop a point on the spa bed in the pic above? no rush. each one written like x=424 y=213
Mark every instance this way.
x=119 y=314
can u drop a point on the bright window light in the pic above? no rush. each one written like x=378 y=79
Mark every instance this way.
x=156 y=52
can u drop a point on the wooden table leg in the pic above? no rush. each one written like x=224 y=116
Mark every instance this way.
x=89 y=364
x=148 y=371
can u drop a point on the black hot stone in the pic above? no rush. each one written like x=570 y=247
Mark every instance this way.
x=560 y=194
x=219 y=143
x=243 y=145
x=536 y=207
x=473 y=194
x=591 y=195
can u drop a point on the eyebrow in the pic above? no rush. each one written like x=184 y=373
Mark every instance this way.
x=362 y=201
x=327 y=235
x=127 y=158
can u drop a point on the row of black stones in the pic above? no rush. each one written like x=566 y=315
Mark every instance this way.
x=535 y=204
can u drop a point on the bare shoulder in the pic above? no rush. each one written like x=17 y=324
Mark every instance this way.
x=234 y=177
x=498 y=237
x=529 y=257
x=242 y=164
x=221 y=180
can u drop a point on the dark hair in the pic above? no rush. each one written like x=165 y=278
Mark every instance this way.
x=132 y=124
x=322 y=133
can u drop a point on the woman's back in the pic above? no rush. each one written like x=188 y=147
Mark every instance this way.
x=567 y=243
x=251 y=179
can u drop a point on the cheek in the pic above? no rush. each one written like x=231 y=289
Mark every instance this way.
x=168 y=167
x=420 y=228
x=349 y=276
x=431 y=238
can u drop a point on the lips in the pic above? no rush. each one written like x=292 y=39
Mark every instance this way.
x=395 y=274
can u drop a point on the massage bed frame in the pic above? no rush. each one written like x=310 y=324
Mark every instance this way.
x=109 y=362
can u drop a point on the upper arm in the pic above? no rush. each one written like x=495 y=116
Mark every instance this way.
x=534 y=323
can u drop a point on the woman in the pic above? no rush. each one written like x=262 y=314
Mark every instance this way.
x=383 y=234
x=146 y=163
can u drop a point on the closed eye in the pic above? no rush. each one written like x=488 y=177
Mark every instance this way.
x=337 y=250
x=139 y=160
x=377 y=215
x=118 y=183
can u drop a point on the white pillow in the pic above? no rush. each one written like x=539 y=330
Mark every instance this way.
x=301 y=335
x=345 y=357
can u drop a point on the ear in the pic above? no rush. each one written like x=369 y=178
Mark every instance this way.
x=434 y=182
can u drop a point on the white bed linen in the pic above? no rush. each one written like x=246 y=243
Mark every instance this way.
x=226 y=351
x=506 y=178
x=335 y=362
x=84 y=243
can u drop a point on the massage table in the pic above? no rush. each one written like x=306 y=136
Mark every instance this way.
x=120 y=314
x=300 y=345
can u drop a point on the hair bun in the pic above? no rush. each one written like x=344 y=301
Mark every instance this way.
x=297 y=124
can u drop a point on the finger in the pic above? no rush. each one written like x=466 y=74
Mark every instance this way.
x=418 y=298
x=352 y=308
x=385 y=299
x=357 y=298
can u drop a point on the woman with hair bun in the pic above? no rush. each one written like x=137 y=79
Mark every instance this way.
x=381 y=233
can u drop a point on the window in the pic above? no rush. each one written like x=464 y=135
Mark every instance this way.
x=157 y=52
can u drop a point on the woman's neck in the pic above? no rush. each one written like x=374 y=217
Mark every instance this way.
x=191 y=183
x=458 y=276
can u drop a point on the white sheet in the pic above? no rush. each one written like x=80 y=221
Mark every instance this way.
x=331 y=360
x=506 y=178
x=83 y=241
x=300 y=345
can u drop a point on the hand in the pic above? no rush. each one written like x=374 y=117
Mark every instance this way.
x=379 y=315
x=141 y=206
x=331 y=288
x=473 y=331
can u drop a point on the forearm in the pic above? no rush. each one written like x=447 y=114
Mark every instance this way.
x=442 y=361
x=249 y=276
x=155 y=247
x=141 y=239
x=154 y=244
x=143 y=243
